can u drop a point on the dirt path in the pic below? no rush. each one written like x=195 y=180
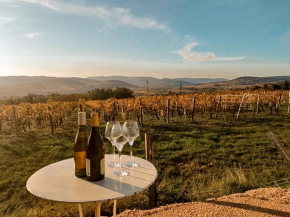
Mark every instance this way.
x=255 y=203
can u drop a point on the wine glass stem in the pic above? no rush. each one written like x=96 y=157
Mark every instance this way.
x=114 y=153
x=131 y=154
x=120 y=160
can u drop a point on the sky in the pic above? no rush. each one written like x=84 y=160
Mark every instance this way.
x=164 y=38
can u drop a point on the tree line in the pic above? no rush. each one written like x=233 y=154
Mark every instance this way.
x=95 y=94
x=282 y=86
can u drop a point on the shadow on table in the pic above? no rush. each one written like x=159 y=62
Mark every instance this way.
x=117 y=186
x=250 y=207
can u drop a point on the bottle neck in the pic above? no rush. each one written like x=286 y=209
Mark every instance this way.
x=95 y=128
x=82 y=128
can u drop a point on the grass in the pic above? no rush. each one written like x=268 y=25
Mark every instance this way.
x=195 y=161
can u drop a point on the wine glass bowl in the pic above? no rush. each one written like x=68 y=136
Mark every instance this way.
x=131 y=132
x=108 y=132
x=120 y=143
x=117 y=135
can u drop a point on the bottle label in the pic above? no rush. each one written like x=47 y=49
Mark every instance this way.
x=88 y=167
x=103 y=166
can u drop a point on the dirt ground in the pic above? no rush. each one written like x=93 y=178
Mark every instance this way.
x=254 y=203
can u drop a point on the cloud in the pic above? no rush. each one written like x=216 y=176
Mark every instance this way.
x=4 y=20
x=32 y=35
x=228 y=58
x=7 y=5
x=189 y=56
x=112 y=16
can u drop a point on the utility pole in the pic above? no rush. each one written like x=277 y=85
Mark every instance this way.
x=147 y=86
x=180 y=86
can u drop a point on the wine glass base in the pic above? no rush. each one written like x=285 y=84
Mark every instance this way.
x=131 y=164
x=121 y=173
x=114 y=165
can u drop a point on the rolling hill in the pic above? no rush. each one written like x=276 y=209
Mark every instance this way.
x=15 y=86
x=242 y=82
x=155 y=83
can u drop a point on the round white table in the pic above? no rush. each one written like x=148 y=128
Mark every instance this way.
x=57 y=182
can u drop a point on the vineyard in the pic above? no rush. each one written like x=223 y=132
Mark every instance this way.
x=207 y=105
x=24 y=116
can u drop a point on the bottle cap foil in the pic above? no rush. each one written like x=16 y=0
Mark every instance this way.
x=95 y=120
x=82 y=118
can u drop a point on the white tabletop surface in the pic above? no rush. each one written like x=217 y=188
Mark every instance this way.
x=57 y=182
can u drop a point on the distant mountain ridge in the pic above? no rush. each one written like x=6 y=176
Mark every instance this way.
x=165 y=83
x=260 y=80
x=242 y=82
x=15 y=86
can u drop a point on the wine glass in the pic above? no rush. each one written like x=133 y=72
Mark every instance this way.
x=108 y=131
x=119 y=142
x=131 y=132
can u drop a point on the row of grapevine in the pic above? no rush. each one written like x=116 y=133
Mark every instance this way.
x=23 y=116
x=206 y=104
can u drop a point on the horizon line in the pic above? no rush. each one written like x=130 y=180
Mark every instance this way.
x=142 y=77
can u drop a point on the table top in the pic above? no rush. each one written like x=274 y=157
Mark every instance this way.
x=58 y=182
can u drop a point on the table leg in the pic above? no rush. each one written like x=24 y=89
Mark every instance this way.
x=115 y=208
x=80 y=210
x=98 y=210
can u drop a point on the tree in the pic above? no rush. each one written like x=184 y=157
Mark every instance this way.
x=123 y=92
x=286 y=85
x=101 y=94
x=30 y=98
x=275 y=87
x=106 y=93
